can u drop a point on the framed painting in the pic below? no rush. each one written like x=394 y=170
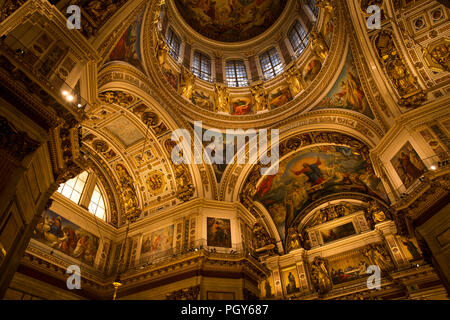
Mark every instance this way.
x=408 y=165
x=219 y=232
x=338 y=232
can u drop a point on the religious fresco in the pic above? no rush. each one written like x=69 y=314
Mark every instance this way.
x=230 y=21
x=128 y=48
x=65 y=236
x=410 y=248
x=219 y=232
x=290 y=280
x=157 y=242
x=203 y=99
x=311 y=70
x=125 y=131
x=311 y=174
x=279 y=96
x=171 y=76
x=241 y=105
x=338 y=232
x=347 y=92
x=408 y=165
x=351 y=267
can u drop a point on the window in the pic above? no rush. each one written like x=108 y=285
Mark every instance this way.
x=298 y=38
x=97 y=205
x=236 y=73
x=312 y=6
x=81 y=191
x=73 y=188
x=174 y=44
x=201 y=66
x=270 y=63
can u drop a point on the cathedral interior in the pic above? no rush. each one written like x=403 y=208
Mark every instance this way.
x=345 y=104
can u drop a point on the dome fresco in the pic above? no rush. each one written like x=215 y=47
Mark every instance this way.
x=230 y=20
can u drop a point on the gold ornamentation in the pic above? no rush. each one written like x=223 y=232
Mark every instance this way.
x=156 y=182
x=321 y=275
x=260 y=98
x=437 y=55
x=411 y=95
x=318 y=45
x=375 y=212
x=294 y=239
x=150 y=118
x=261 y=240
x=295 y=80
x=222 y=97
x=162 y=50
x=116 y=97
x=187 y=83
x=377 y=255
x=128 y=194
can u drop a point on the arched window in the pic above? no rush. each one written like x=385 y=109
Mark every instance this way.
x=84 y=191
x=298 y=38
x=201 y=66
x=73 y=188
x=312 y=5
x=174 y=44
x=236 y=73
x=97 y=205
x=270 y=63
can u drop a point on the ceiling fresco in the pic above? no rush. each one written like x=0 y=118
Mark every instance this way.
x=230 y=21
x=312 y=173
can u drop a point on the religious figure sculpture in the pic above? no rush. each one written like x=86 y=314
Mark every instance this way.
x=294 y=79
x=222 y=96
x=187 y=83
x=259 y=98
x=321 y=276
x=439 y=55
x=162 y=51
x=319 y=46
x=375 y=212
x=293 y=239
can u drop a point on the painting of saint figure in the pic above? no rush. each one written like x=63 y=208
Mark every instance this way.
x=311 y=70
x=408 y=165
x=157 y=242
x=128 y=48
x=310 y=174
x=290 y=280
x=347 y=92
x=230 y=21
x=241 y=106
x=338 y=232
x=219 y=232
x=202 y=99
x=61 y=234
x=280 y=96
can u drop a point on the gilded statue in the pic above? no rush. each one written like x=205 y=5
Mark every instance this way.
x=376 y=213
x=294 y=79
x=378 y=256
x=318 y=45
x=222 y=97
x=162 y=51
x=187 y=83
x=293 y=239
x=260 y=98
x=438 y=56
x=321 y=276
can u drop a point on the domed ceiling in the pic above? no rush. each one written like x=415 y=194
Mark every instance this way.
x=230 y=20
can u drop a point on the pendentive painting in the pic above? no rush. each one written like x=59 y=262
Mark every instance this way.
x=128 y=48
x=338 y=232
x=219 y=232
x=408 y=165
x=312 y=173
x=158 y=242
x=347 y=92
x=65 y=236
